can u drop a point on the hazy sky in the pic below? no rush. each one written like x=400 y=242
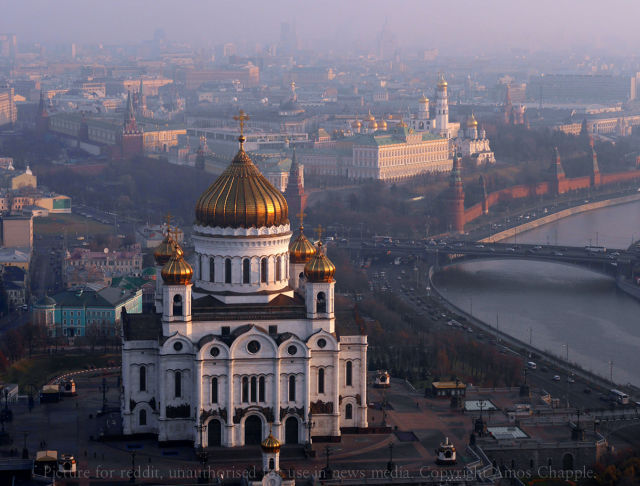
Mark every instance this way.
x=477 y=25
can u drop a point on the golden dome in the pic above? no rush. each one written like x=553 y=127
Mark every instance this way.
x=423 y=99
x=472 y=122
x=242 y=198
x=270 y=444
x=300 y=249
x=370 y=117
x=356 y=124
x=402 y=124
x=164 y=250
x=442 y=83
x=373 y=125
x=176 y=271
x=382 y=125
x=319 y=268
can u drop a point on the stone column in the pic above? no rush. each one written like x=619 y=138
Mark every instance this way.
x=363 y=387
x=230 y=440
x=336 y=393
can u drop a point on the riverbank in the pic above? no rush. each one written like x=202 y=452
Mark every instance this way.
x=524 y=349
x=536 y=223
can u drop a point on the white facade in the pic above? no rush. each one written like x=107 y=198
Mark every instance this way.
x=248 y=346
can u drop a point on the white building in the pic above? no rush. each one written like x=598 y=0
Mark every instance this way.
x=246 y=341
x=474 y=143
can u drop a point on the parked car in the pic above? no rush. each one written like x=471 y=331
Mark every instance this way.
x=556 y=377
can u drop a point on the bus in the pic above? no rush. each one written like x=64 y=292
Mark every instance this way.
x=595 y=249
x=618 y=396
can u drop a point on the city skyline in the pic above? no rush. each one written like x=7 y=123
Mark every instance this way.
x=496 y=26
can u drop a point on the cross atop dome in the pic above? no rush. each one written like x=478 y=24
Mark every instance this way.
x=241 y=118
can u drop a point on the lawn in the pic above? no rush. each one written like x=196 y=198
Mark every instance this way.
x=39 y=369
x=56 y=224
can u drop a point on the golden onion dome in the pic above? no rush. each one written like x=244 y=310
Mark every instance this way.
x=442 y=83
x=370 y=117
x=242 y=198
x=270 y=444
x=319 y=268
x=301 y=250
x=472 y=122
x=163 y=251
x=382 y=125
x=402 y=124
x=177 y=271
x=423 y=99
x=373 y=125
x=356 y=124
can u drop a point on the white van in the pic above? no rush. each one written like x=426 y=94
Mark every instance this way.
x=531 y=365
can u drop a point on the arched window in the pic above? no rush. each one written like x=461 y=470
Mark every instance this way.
x=227 y=270
x=177 y=384
x=279 y=269
x=263 y=270
x=349 y=373
x=292 y=388
x=261 y=389
x=142 y=417
x=212 y=269
x=177 y=305
x=245 y=390
x=321 y=380
x=246 y=269
x=143 y=378
x=348 y=411
x=214 y=390
x=254 y=390
x=321 y=303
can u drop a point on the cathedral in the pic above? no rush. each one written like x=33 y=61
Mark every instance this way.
x=242 y=344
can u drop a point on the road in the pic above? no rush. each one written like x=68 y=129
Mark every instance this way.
x=412 y=287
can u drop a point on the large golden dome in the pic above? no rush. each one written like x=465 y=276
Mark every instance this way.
x=177 y=271
x=319 y=268
x=300 y=249
x=164 y=250
x=242 y=198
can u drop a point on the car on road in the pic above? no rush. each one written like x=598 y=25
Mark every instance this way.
x=479 y=246
x=558 y=253
x=511 y=249
x=556 y=377
x=571 y=379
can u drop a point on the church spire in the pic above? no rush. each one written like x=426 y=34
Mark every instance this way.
x=558 y=170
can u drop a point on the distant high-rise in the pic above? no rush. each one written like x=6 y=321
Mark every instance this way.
x=8 y=45
x=288 y=39
x=8 y=112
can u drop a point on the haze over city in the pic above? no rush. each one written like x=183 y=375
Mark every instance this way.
x=462 y=27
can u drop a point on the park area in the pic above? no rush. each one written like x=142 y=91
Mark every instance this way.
x=73 y=224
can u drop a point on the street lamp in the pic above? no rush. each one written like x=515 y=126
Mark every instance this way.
x=310 y=425
x=390 y=464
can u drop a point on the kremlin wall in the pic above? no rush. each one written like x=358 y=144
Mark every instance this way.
x=558 y=183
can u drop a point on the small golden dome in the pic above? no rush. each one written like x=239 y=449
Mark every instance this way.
x=176 y=271
x=472 y=122
x=402 y=124
x=242 y=198
x=373 y=125
x=270 y=444
x=442 y=83
x=356 y=124
x=370 y=117
x=300 y=249
x=423 y=99
x=319 y=268
x=164 y=250
x=382 y=125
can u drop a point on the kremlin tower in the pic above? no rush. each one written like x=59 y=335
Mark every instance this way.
x=455 y=199
x=131 y=139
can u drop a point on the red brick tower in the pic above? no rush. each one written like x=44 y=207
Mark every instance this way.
x=558 y=177
x=455 y=199
x=294 y=192
x=595 y=169
x=485 y=200
x=131 y=138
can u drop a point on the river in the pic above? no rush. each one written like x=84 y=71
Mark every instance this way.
x=556 y=305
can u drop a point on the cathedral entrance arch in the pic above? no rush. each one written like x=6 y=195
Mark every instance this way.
x=291 y=431
x=214 y=433
x=252 y=430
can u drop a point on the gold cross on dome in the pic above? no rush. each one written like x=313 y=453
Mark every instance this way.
x=319 y=231
x=301 y=216
x=241 y=117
